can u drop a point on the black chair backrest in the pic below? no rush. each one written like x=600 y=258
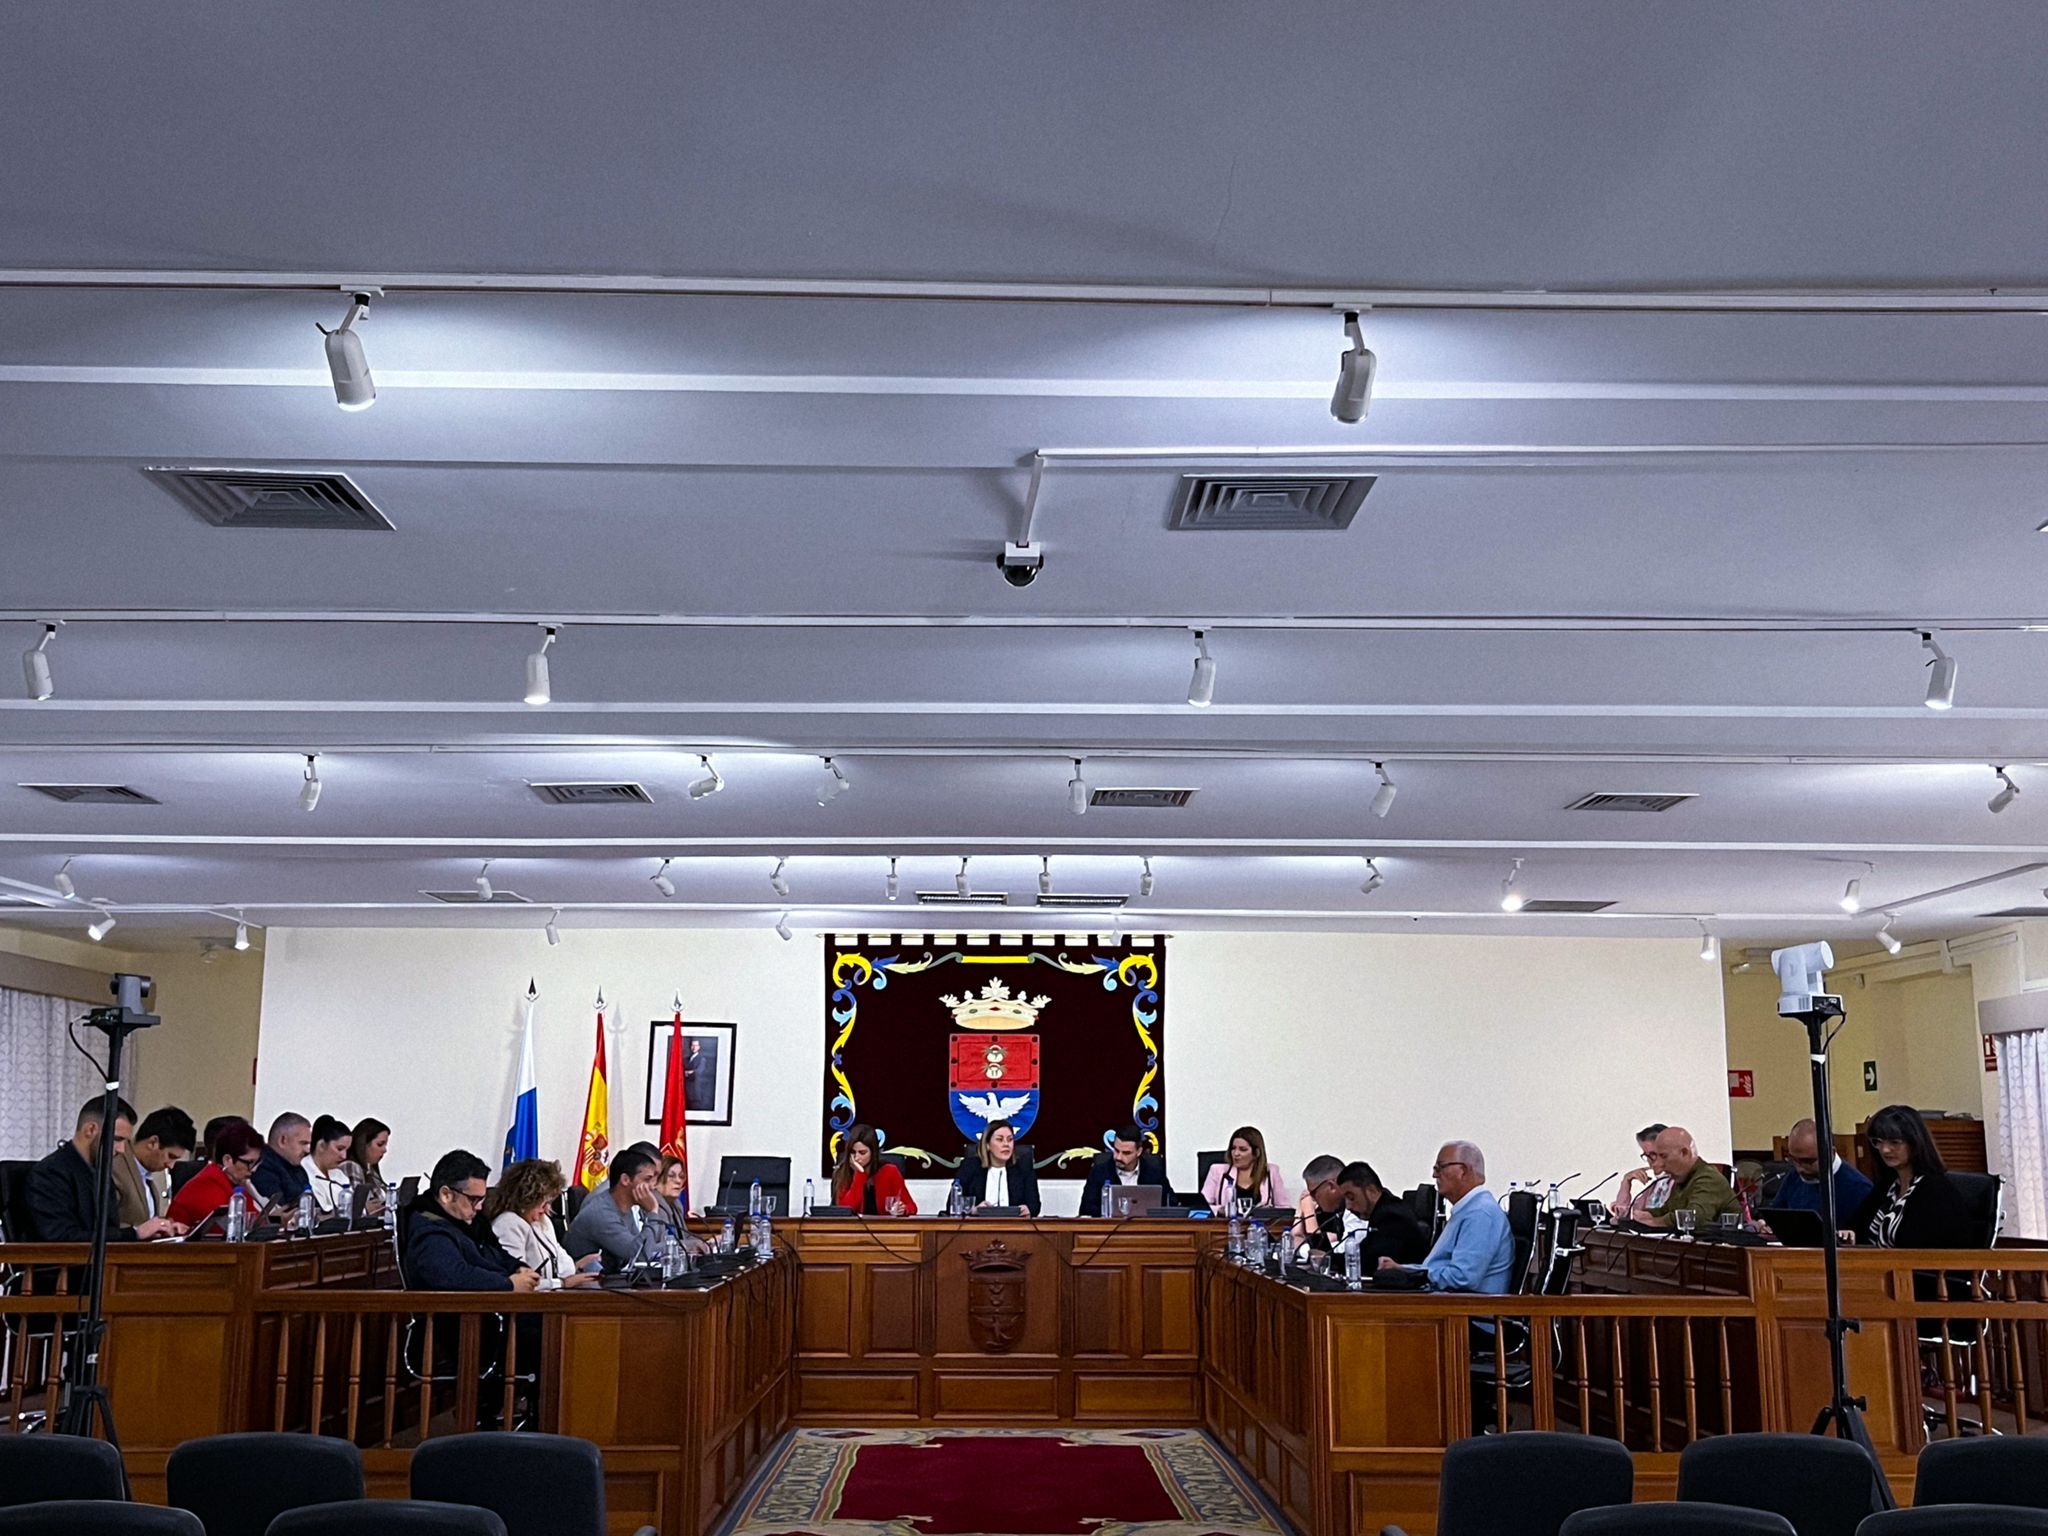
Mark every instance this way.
x=1956 y=1520
x=388 y=1517
x=1424 y=1201
x=574 y=1199
x=14 y=1220
x=1524 y=1212
x=35 y=1469
x=737 y=1174
x=1524 y=1484
x=1675 y=1520
x=1980 y=1198
x=1986 y=1469
x=1204 y=1161
x=539 y=1485
x=1823 y=1486
x=98 y=1517
x=238 y=1484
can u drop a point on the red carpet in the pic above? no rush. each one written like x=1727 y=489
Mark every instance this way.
x=966 y=1482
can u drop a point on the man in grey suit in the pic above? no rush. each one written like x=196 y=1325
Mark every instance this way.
x=614 y=1221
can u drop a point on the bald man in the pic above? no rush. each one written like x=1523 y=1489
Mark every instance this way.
x=1696 y=1184
x=1801 y=1191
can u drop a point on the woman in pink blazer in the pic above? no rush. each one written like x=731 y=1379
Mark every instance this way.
x=1244 y=1173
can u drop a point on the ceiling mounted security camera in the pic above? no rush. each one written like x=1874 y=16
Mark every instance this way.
x=1021 y=563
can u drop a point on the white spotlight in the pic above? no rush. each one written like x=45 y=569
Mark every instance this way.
x=1077 y=791
x=1710 y=947
x=241 y=932
x=1145 y=878
x=710 y=784
x=35 y=666
x=960 y=881
x=662 y=883
x=1354 y=375
x=1941 y=682
x=309 y=792
x=354 y=389
x=834 y=784
x=483 y=883
x=1887 y=938
x=2008 y=793
x=99 y=930
x=893 y=887
x=554 y=934
x=1373 y=879
x=1044 y=876
x=1511 y=899
x=1852 y=897
x=1202 y=687
x=1383 y=797
x=65 y=887
x=782 y=928
x=538 y=690
x=779 y=881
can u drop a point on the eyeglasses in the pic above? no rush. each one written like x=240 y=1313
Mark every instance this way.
x=463 y=1194
x=1453 y=1163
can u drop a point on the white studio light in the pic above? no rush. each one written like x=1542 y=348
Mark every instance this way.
x=1710 y=947
x=1044 y=876
x=662 y=883
x=1077 y=791
x=782 y=930
x=554 y=933
x=710 y=784
x=309 y=792
x=35 y=666
x=241 y=932
x=99 y=930
x=1374 y=879
x=1941 y=681
x=354 y=389
x=778 y=882
x=960 y=883
x=1852 y=896
x=1354 y=375
x=1887 y=938
x=892 y=887
x=65 y=887
x=834 y=784
x=2007 y=793
x=1145 y=881
x=483 y=883
x=1202 y=686
x=1512 y=899
x=1383 y=797
x=538 y=689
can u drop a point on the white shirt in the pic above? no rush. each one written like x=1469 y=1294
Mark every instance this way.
x=533 y=1244
x=150 y=1197
x=332 y=1191
x=997 y=1190
x=1127 y=1176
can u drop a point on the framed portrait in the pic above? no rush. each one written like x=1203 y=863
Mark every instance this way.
x=707 y=1071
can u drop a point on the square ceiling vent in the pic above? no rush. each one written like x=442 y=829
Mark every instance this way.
x=94 y=794
x=971 y=899
x=306 y=500
x=1631 y=801
x=591 y=794
x=1099 y=901
x=1268 y=503
x=1141 y=799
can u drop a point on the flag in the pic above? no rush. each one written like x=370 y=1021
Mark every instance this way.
x=593 y=1149
x=523 y=1139
x=675 y=1128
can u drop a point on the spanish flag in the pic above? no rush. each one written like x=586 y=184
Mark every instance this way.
x=594 y=1151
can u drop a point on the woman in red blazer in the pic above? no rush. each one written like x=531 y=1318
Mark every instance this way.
x=235 y=1153
x=862 y=1182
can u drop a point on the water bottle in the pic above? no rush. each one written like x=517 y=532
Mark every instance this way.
x=728 y=1239
x=306 y=1213
x=391 y=1210
x=956 y=1203
x=764 y=1238
x=238 y=1215
x=1255 y=1246
x=671 y=1257
x=1236 y=1241
x=754 y=1199
x=1105 y=1199
x=808 y=1196
x=1352 y=1276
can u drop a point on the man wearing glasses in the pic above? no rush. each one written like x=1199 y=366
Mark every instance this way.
x=1321 y=1220
x=1802 y=1192
x=440 y=1253
x=1476 y=1250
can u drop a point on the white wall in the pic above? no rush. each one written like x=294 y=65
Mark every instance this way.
x=1548 y=1052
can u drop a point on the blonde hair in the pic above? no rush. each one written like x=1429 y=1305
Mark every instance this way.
x=1261 y=1175
x=985 y=1144
x=525 y=1184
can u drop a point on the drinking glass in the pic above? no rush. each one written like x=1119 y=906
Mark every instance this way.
x=1245 y=1205
x=1318 y=1261
x=767 y=1205
x=1687 y=1222
x=895 y=1206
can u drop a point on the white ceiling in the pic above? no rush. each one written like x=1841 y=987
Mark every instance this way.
x=1681 y=551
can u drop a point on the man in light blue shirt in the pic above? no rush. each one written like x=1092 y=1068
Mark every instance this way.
x=1476 y=1250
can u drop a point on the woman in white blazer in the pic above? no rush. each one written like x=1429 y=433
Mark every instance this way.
x=516 y=1211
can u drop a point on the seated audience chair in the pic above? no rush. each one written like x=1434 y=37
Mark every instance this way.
x=1675 y=1520
x=40 y=1468
x=1525 y=1484
x=238 y=1484
x=539 y=1485
x=98 y=1517
x=1998 y=1469
x=1956 y=1520
x=387 y=1517
x=1823 y=1486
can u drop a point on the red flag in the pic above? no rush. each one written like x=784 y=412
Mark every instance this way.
x=675 y=1129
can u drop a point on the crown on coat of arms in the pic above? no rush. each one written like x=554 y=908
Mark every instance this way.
x=995 y=1007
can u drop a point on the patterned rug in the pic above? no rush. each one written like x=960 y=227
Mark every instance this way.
x=1002 y=1482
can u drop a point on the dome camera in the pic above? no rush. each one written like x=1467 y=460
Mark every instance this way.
x=1021 y=563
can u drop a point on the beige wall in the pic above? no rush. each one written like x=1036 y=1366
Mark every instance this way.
x=1548 y=1052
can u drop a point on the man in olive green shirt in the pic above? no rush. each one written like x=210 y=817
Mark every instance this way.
x=1696 y=1185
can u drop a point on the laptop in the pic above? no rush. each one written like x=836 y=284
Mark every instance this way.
x=1128 y=1200
x=1795 y=1229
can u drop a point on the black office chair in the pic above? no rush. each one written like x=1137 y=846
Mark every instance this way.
x=1204 y=1161
x=1997 y=1469
x=1525 y=1484
x=1823 y=1486
x=539 y=1485
x=736 y=1175
x=1675 y=1520
x=238 y=1484
x=98 y=1517
x=388 y=1517
x=1956 y=1520
x=36 y=1469
x=1980 y=1194
x=1509 y=1360
x=1427 y=1204
x=14 y=1218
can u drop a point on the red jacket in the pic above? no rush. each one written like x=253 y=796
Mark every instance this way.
x=205 y=1192
x=888 y=1183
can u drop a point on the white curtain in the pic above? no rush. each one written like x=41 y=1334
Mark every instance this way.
x=42 y=1079
x=2023 y=1130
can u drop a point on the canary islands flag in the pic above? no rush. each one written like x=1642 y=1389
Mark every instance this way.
x=523 y=1139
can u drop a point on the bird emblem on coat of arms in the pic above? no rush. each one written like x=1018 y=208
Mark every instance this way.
x=994 y=1076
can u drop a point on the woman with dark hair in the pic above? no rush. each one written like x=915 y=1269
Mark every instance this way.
x=1244 y=1174
x=1918 y=1206
x=237 y=1147
x=997 y=1175
x=862 y=1182
x=367 y=1144
x=332 y=1192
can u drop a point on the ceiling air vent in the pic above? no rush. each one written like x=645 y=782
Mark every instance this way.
x=971 y=899
x=591 y=794
x=1268 y=503
x=271 y=498
x=1102 y=902
x=499 y=898
x=1142 y=799
x=1540 y=907
x=1638 y=801
x=94 y=794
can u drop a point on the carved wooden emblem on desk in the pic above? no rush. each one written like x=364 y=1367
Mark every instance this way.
x=995 y=1296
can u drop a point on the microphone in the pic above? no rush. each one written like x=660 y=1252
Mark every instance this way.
x=1589 y=1194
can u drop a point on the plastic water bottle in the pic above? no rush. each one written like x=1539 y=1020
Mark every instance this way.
x=764 y=1238
x=390 y=1210
x=306 y=1213
x=808 y=1196
x=1255 y=1246
x=1352 y=1276
x=238 y=1215
x=671 y=1257
x=1105 y=1199
x=754 y=1199
x=1236 y=1241
x=728 y=1239
x=956 y=1203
